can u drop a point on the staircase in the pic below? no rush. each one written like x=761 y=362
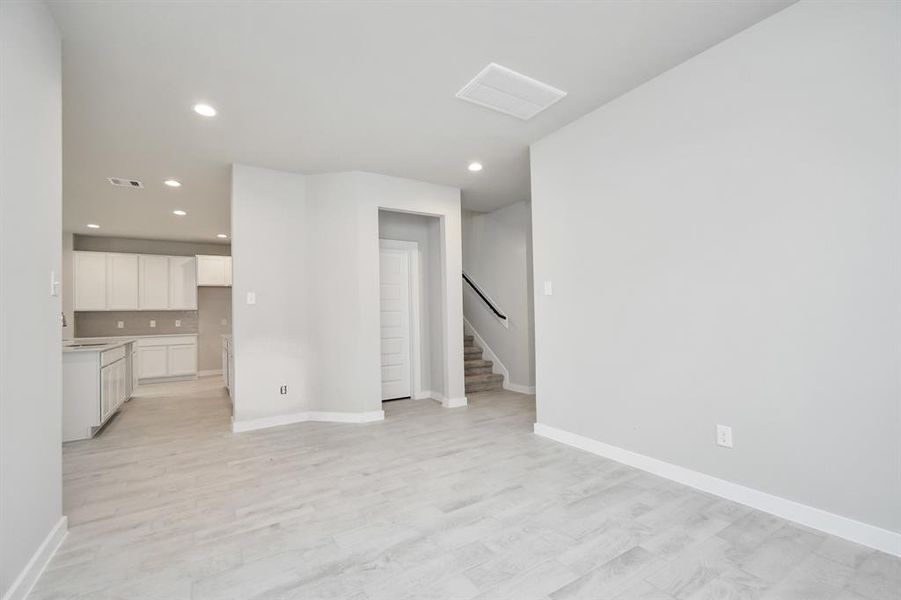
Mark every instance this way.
x=479 y=377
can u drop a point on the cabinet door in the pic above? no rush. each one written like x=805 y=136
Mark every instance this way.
x=122 y=281
x=152 y=362
x=153 y=286
x=210 y=270
x=107 y=390
x=183 y=282
x=90 y=280
x=183 y=360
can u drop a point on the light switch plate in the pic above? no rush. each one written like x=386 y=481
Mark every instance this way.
x=251 y=298
x=152 y=323
x=120 y=324
x=177 y=322
x=548 y=288
x=223 y=322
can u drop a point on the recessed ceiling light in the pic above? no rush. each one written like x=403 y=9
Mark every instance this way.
x=180 y=213
x=172 y=183
x=221 y=235
x=205 y=110
x=93 y=226
x=475 y=167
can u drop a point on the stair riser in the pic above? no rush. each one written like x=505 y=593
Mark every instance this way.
x=477 y=370
x=486 y=387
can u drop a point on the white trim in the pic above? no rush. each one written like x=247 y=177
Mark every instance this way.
x=454 y=402
x=424 y=395
x=843 y=527
x=497 y=366
x=412 y=250
x=516 y=387
x=209 y=372
x=23 y=584
x=302 y=417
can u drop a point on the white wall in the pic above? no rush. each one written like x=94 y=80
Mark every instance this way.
x=496 y=255
x=308 y=247
x=426 y=233
x=723 y=243
x=30 y=248
x=68 y=284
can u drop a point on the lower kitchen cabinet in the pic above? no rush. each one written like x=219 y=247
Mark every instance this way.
x=166 y=357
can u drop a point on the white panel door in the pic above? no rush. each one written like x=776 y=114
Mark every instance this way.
x=183 y=282
x=122 y=281
x=90 y=280
x=182 y=360
x=153 y=282
x=394 y=273
x=152 y=362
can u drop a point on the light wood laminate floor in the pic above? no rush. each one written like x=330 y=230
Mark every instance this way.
x=168 y=504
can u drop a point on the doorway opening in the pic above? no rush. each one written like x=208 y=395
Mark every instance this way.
x=409 y=297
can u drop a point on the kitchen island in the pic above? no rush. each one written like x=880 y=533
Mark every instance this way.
x=98 y=377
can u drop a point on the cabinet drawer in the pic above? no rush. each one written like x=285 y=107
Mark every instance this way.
x=111 y=355
x=176 y=340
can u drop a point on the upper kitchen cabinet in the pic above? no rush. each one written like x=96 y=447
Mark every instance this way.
x=214 y=270
x=153 y=273
x=90 y=280
x=122 y=281
x=182 y=283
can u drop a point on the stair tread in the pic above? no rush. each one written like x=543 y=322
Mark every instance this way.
x=484 y=377
x=477 y=362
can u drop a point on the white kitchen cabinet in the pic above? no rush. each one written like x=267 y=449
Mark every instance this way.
x=95 y=385
x=152 y=362
x=182 y=360
x=90 y=280
x=122 y=281
x=167 y=356
x=214 y=270
x=182 y=282
x=153 y=273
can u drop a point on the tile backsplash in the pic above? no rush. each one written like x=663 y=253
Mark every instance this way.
x=105 y=323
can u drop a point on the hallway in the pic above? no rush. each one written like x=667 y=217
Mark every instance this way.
x=168 y=504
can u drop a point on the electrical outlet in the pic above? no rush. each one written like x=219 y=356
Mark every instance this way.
x=223 y=322
x=724 y=436
x=152 y=323
x=251 y=298
x=548 y=288
x=283 y=390
x=120 y=324
x=177 y=322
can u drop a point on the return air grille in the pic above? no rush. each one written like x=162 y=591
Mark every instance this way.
x=509 y=92
x=129 y=183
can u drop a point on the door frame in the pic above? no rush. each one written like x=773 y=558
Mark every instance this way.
x=412 y=250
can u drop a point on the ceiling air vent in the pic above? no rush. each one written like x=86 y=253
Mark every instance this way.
x=129 y=183
x=509 y=92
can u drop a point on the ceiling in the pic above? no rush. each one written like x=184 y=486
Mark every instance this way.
x=336 y=86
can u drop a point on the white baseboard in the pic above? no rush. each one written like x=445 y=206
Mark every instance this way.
x=815 y=518
x=209 y=372
x=522 y=389
x=21 y=587
x=301 y=417
x=423 y=395
x=454 y=402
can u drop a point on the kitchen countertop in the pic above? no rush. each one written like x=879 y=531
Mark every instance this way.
x=102 y=344
x=95 y=344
